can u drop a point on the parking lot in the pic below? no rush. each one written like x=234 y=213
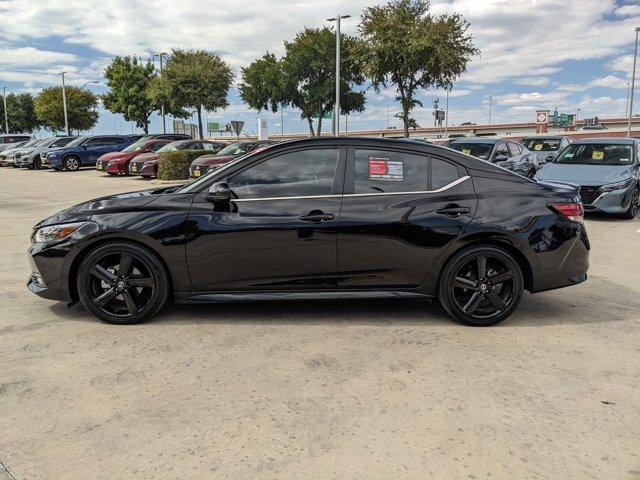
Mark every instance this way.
x=340 y=389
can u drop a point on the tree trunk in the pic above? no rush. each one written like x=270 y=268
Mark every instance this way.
x=146 y=126
x=311 y=132
x=320 y=124
x=405 y=120
x=200 y=122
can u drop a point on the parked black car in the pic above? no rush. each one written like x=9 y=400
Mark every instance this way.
x=505 y=153
x=319 y=218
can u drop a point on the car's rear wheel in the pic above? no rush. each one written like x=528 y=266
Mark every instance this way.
x=122 y=283
x=72 y=163
x=632 y=211
x=481 y=285
x=126 y=169
x=37 y=162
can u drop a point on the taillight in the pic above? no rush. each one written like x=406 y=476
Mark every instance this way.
x=573 y=211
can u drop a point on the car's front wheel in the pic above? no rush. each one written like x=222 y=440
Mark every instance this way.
x=122 y=283
x=632 y=211
x=481 y=285
x=72 y=163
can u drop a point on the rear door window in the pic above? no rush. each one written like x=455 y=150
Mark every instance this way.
x=386 y=171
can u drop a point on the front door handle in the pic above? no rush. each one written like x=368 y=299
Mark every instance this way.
x=317 y=217
x=453 y=210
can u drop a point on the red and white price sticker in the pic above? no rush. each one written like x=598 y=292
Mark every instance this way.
x=385 y=169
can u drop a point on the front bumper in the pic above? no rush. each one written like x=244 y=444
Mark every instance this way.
x=149 y=169
x=55 y=162
x=614 y=201
x=25 y=161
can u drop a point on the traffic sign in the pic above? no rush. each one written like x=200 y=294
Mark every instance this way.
x=237 y=125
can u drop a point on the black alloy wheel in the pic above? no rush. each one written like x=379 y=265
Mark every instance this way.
x=632 y=211
x=36 y=162
x=72 y=163
x=122 y=283
x=481 y=285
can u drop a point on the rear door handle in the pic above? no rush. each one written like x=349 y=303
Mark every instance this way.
x=453 y=210
x=317 y=217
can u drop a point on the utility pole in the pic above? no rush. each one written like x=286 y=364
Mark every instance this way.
x=633 y=83
x=490 y=104
x=6 y=117
x=164 y=125
x=436 y=102
x=64 y=106
x=387 y=117
x=336 y=108
x=626 y=104
x=281 y=122
x=446 y=114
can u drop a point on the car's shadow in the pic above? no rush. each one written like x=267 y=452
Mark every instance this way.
x=600 y=301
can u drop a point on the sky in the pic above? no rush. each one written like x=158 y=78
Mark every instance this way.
x=535 y=54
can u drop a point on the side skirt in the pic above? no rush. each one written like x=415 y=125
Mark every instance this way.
x=282 y=296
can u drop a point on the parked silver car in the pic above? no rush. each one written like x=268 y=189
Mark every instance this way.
x=546 y=148
x=29 y=157
x=6 y=156
x=607 y=170
x=12 y=140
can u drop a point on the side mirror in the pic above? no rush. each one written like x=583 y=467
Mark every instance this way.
x=219 y=192
x=500 y=158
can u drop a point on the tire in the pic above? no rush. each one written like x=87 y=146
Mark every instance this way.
x=634 y=206
x=36 y=163
x=123 y=299
x=475 y=298
x=126 y=169
x=72 y=163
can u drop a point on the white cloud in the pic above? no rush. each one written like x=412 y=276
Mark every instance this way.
x=532 y=81
x=628 y=10
x=623 y=63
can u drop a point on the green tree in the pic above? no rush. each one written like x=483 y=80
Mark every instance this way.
x=82 y=109
x=21 y=114
x=193 y=79
x=305 y=77
x=128 y=80
x=406 y=46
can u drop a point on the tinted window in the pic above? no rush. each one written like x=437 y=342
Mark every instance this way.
x=304 y=173
x=597 y=154
x=112 y=141
x=94 y=142
x=480 y=150
x=501 y=149
x=386 y=171
x=442 y=173
x=61 y=142
x=209 y=146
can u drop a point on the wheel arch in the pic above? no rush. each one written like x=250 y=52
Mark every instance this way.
x=99 y=241
x=492 y=240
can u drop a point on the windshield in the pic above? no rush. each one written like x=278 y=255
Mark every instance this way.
x=135 y=147
x=480 y=150
x=171 y=147
x=77 y=141
x=197 y=184
x=542 y=144
x=235 y=149
x=597 y=154
x=33 y=142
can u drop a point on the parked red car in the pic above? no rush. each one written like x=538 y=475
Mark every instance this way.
x=202 y=164
x=146 y=164
x=116 y=163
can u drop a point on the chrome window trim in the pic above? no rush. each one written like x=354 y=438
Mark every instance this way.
x=420 y=192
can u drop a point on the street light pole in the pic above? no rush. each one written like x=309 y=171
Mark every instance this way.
x=633 y=83
x=64 y=106
x=446 y=114
x=6 y=117
x=164 y=125
x=87 y=83
x=626 y=104
x=336 y=108
x=490 y=102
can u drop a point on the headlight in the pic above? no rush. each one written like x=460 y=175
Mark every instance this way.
x=617 y=186
x=56 y=232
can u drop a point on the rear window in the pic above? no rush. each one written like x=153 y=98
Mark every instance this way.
x=480 y=150
x=596 y=154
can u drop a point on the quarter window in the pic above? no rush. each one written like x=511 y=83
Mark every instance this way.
x=295 y=174
x=442 y=173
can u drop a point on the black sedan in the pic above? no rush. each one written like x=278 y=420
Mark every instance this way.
x=319 y=218
x=505 y=153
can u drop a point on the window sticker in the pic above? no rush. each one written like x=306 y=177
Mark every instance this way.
x=597 y=155
x=466 y=151
x=537 y=146
x=625 y=159
x=385 y=169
